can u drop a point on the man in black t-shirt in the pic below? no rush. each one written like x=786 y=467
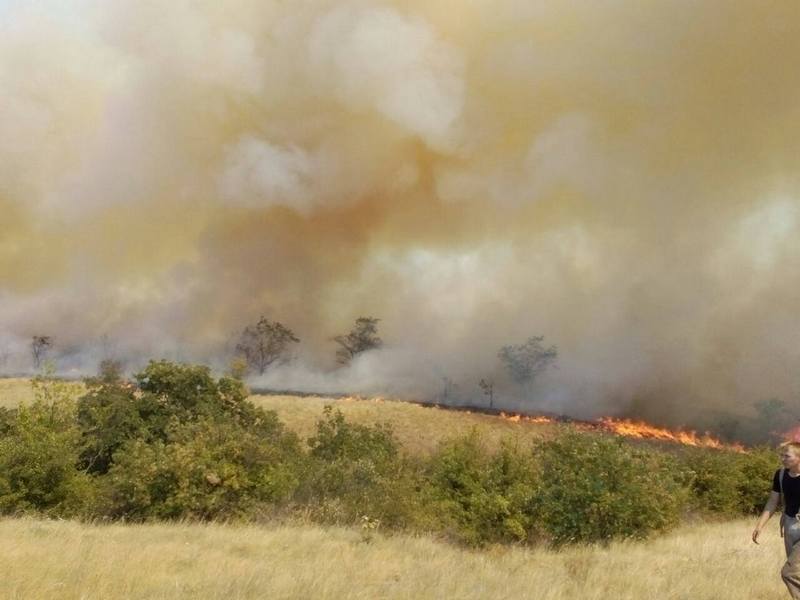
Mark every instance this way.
x=790 y=488
x=786 y=483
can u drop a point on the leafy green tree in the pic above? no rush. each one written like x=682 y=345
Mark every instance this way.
x=593 y=488
x=362 y=337
x=265 y=343
x=39 y=453
x=40 y=346
x=203 y=470
x=189 y=391
x=110 y=370
x=108 y=415
x=336 y=438
x=487 y=387
x=756 y=468
x=773 y=419
x=356 y=470
x=483 y=497
x=715 y=480
x=525 y=361
x=112 y=413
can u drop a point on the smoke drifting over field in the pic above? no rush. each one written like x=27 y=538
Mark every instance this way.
x=620 y=177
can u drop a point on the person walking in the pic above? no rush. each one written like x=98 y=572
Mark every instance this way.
x=786 y=484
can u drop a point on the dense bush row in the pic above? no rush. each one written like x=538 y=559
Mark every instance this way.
x=177 y=443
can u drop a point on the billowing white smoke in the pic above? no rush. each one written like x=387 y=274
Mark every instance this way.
x=618 y=178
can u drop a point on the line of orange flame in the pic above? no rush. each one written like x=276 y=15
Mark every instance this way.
x=637 y=429
x=623 y=427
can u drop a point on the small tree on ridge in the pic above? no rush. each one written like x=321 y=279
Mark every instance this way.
x=40 y=344
x=525 y=361
x=362 y=337
x=264 y=343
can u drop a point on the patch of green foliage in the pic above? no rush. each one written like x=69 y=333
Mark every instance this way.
x=165 y=395
x=177 y=443
x=204 y=470
x=39 y=454
x=484 y=497
x=181 y=444
x=596 y=488
x=355 y=471
x=730 y=483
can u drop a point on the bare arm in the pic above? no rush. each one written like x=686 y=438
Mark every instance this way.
x=769 y=508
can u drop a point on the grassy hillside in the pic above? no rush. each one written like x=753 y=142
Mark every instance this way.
x=14 y=391
x=17 y=390
x=298 y=559
x=49 y=560
x=418 y=428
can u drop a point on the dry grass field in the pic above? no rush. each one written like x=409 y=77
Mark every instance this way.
x=49 y=559
x=418 y=428
x=15 y=391
x=57 y=559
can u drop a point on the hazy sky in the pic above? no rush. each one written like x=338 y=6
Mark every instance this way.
x=619 y=176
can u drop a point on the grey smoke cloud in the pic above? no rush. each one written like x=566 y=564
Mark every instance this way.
x=619 y=177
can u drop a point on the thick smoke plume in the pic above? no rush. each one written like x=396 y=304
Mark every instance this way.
x=620 y=177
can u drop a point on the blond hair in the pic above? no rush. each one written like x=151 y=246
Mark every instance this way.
x=793 y=446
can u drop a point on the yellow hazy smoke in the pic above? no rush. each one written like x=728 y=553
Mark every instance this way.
x=619 y=176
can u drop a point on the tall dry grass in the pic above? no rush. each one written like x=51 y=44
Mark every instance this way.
x=419 y=429
x=48 y=560
x=15 y=391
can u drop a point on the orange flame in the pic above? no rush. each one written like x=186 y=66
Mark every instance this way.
x=793 y=435
x=517 y=418
x=640 y=430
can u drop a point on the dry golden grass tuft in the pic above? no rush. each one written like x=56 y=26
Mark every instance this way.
x=48 y=560
x=419 y=429
x=15 y=391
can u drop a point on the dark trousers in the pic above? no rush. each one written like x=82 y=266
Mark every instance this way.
x=790 y=573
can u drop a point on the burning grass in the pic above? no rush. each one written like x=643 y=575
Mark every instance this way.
x=642 y=430
x=419 y=428
x=634 y=429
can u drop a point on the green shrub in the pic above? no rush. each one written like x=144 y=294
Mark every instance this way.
x=756 y=468
x=7 y=417
x=336 y=439
x=715 y=479
x=113 y=412
x=355 y=471
x=205 y=470
x=730 y=483
x=189 y=392
x=38 y=457
x=181 y=444
x=594 y=488
x=482 y=497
